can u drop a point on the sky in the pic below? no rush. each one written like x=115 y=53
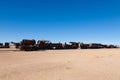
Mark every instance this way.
x=60 y=20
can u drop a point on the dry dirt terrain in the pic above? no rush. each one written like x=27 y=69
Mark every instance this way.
x=97 y=64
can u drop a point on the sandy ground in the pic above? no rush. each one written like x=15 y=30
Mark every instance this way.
x=98 y=64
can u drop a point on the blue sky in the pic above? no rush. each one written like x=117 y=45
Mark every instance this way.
x=60 y=20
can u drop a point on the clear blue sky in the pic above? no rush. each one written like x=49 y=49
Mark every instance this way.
x=60 y=20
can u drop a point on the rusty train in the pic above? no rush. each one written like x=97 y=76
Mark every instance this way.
x=33 y=45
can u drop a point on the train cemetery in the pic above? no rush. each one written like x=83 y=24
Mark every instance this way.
x=33 y=45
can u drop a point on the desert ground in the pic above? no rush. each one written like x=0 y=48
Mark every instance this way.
x=88 y=64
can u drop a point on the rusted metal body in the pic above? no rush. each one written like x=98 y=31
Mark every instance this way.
x=28 y=45
x=55 y=46
x=72 y=45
